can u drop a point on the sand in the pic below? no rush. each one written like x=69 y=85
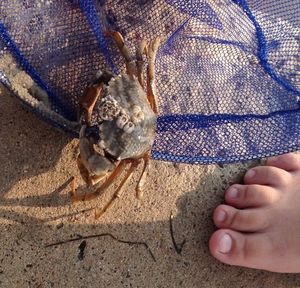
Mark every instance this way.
x=132 y=246
x=35 y=209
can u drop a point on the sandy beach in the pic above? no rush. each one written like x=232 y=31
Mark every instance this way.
x=132 y=244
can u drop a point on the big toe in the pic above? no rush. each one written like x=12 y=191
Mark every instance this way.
x=248 y=250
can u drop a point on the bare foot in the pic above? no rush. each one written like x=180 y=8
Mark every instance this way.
x=260 y=225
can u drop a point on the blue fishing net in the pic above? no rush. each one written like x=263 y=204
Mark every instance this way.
x=228 y=72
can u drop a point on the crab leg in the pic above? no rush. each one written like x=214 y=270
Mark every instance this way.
x=139 y=187
x=141 y=49
x=130 y=64
x=105 y=185
x=85 y=176
x=152 y=51
x=91 y=95
x=88 y=101
x=134 y=164
x=83 y=171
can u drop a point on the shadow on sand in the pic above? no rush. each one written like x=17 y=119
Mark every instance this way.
x=119 y=258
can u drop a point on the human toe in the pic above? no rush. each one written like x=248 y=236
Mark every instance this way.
x=267 y=175
x=245 y=196
x=239 y=249
x=289 y=162
x=247 y=220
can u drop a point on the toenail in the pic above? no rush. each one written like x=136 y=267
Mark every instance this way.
x=225 y=244
x=232 y=192
x=221 y=216
x=250 y=174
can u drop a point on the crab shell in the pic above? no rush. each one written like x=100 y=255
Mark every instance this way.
x=125 y=121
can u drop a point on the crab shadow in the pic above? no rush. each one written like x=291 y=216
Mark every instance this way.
x=28 y=147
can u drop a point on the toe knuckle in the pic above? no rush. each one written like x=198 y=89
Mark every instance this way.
x=283 y=177
x=291 y=157
x=268 y=197
x=252 y=194
x=276 y=175
x=248 y=193
x=236 y=219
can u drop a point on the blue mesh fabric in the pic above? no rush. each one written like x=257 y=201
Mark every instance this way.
x=228 y=72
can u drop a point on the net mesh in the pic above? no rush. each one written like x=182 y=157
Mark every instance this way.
x=227 y=72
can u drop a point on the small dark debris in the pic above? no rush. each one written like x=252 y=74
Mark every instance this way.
x=186 y=264
x=81 y=250
x=177 y=167
x=29 y=265
x=60 y=225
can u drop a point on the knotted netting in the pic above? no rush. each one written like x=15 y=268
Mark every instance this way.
x=227 y=72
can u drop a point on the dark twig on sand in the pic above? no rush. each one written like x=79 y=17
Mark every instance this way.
x=138 y=243
x=178 y=246
x=81 y=250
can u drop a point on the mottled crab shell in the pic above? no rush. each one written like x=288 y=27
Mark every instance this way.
x=129 y=133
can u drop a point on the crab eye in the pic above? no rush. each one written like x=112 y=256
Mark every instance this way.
x=92 y=132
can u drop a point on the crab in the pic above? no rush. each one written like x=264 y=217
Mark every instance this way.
x=117 y=119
